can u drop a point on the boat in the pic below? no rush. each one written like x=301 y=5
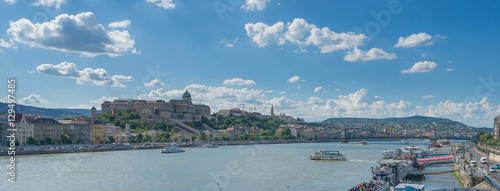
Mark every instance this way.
x=210 y=145
x=392 y=171
x=407 y=143
x=363 y=143
x=327 y=155
x=406 y=186
x=389 y=154
x=172 y=149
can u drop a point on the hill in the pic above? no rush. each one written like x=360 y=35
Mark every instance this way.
x=404 y=120
x=52 y=112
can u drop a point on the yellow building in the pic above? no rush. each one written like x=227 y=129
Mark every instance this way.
x=47 y=127
x=97 y=132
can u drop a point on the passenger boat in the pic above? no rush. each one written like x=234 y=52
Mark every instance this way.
x=392 y=171
x=210 y=145
x=406 y=186
x=327 y=155
x=172 y=149
x=363 y=143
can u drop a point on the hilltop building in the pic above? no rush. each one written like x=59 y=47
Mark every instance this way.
x=496 y=134
x=181 y=109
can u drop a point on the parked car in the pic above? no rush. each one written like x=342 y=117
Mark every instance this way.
x=493 y=169
x=497 y=166
x=473 y=162
x=484 y=160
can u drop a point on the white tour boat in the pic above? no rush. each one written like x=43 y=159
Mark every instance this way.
x=172 y=149
x=327 y=155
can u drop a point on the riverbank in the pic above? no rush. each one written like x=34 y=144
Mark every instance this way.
x=59 y=149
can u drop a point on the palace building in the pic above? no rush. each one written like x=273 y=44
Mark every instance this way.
x=182 y=109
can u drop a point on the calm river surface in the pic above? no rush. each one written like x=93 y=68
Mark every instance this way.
x=248 y=167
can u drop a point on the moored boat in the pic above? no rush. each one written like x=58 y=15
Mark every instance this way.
x=210 y=145
x=327 y=155
x=363 y=143
x=172 y=149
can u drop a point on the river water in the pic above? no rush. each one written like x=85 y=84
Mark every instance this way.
x=245 y=167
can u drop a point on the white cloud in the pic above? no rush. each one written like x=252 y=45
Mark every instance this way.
x=97 y=76
x=358 y=55
x=427 y=97
x=303 y=34
x=315 y=100
x=263 y=34
x=10 y=1
x=319 y=89
x=422 y=66
x=449 y=69
x=102 y=99
x=32 y=99
x=73 y=33
x=282 y=92
x=154 y=83
x=414 y=40
x=238 y=82
x=251 y=5
x=297 y=30
x=229 y=43
x=5 y=44
x=166 y=4
x=295 y=79
x=120 y=24
x=50 y=3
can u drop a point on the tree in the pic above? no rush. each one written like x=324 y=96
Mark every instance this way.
x=111 y=139
x=42 y=142
x=78 y=140
x=486 y=137
x=144 y=123
x=48 y=141
x=193 y=138
x=31 y=141
x=190 y=123
x=65 y=139
x=181 y=115
x=203 y=136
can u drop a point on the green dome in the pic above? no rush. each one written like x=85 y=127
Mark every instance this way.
x=186 y=94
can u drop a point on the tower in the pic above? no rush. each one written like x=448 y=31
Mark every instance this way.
x=186 y=96
x=496 y=134
x=272 y=110
x=93 y=111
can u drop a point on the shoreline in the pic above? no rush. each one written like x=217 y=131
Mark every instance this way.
x=60 y=149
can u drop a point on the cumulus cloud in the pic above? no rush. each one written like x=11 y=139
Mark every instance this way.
x=73 y=33
x=302 y=33
x=295 y=79
x=414 y=40
x=50 y=3
x=422 y=66
x=166 y=4
x=427 y=97
x=32 y=99
x=315 y=100
x=238 y=82
x=154 y=83
x=97 y=76
x=263 y=34
x=449 y=69
x=319 y=89
x=358 y=55
x=120 y=24
x=251 y=5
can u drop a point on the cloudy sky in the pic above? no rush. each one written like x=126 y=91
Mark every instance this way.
x=312 y=60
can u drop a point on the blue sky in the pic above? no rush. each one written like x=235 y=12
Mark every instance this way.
x=313 y=60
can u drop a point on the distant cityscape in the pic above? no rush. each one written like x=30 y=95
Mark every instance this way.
x=133 y=120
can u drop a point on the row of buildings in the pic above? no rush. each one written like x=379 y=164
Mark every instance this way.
x=87 y=130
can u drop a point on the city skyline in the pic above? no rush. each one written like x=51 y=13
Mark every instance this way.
x=310 y=60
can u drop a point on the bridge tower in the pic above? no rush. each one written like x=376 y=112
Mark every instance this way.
x=343 y=136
